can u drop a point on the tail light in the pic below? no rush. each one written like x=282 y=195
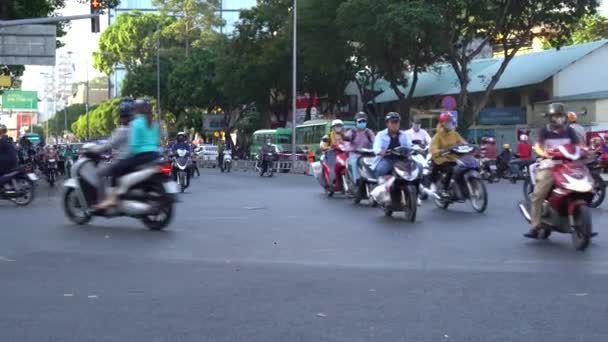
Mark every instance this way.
x=166 y=169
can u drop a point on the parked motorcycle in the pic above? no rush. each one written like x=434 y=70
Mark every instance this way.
x=566 y=208
x=466 y=182
x=18 y=186
x=399 y=192
x=151 y=199
x=181 y=168
x=227 y=161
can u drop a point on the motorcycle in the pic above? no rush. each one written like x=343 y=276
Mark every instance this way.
x=340 y=183
x=489 y=170
x=150 y=199
x=181 y=168
x=227 y=161
x=51 y=171
x=264 y=166
x=566 y=210
x=18 y=186
x=423 y=159
x=399 y=192
x=361 y=189
x=465 y=183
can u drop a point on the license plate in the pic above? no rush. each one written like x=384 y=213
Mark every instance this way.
x=171 y=187
x=32 y=177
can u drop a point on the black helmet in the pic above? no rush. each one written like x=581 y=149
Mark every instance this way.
x=392 y=116
x=556 y=108
x=143 y=106
x=126 y=107
x=361 y=116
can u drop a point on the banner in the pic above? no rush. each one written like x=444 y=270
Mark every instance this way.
x=19 y=99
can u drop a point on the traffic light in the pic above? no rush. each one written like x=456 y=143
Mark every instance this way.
x=95 y=9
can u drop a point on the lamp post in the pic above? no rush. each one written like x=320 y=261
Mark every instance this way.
x=158 y=72
x=294 y=82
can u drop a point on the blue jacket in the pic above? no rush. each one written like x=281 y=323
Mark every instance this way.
x=8 y=155
x=382 y=141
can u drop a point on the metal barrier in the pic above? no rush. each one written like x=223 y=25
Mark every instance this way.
x=283 y=166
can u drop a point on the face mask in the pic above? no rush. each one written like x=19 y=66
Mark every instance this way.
x=559 y=120
x=338 y=129
x=448 y=126
x=416 y=127
x=361 y=125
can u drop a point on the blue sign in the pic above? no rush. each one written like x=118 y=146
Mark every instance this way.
x=448 y=102
x=502 y=116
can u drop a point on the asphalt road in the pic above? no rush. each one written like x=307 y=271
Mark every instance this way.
x=260 y=259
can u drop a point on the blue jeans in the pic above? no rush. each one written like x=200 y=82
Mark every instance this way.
x=384 y=167
x=352 y=165
x=514 y=167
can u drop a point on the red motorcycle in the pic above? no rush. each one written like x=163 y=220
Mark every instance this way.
x=566 y=208
x=340 y=182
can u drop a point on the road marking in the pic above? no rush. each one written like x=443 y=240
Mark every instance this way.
x=92 y=296
x=68 y=295
x=3 y=258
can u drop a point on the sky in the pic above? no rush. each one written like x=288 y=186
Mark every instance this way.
x=80 y=41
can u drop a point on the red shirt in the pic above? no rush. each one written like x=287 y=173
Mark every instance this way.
x=488 y=151
x=524 y=149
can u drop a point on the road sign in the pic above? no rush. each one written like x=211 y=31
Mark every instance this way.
x=18 y=99
x=448 y=103
x=28 y=45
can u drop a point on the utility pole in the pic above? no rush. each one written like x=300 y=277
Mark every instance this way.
x=294 y=82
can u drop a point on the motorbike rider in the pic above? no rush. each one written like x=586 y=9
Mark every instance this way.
x=487 y=150
x=445 y=138
x=504 y=159
x=360 y=137
x=556 y=133
x=144 y=140
x=524 y=153
x=119 y=141
x=49 y=154
x=387 y=139
x=578 y=129
x=416 y=133
x=264 y=150
x=8 y=153
x=336 y=137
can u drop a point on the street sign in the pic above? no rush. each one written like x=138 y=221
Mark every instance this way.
x=19 y=99
x=28 y=45
x=448 y=103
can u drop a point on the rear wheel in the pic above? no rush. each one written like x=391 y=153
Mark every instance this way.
x=76 y=211
x=410 y=195
x=599 y=191
x=478 y=195
x=161 y=219
x=25 y=187
x=582 y=234
x=388 y=212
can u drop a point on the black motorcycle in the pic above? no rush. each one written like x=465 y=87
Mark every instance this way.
x=18 y=186
x=466 y=182
x=51 y=171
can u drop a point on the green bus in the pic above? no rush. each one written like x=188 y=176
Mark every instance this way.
x=279 y=136
x=309 y=133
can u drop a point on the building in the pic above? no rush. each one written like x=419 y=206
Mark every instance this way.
x=574 y=75
x=95 y=95
x=229 y=11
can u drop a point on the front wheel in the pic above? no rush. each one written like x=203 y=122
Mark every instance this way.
x=25 y=188
x=599 y=191
x=76 y=211
x=52 y=178
x=478 y=195
x=410 y=195
x=162 y=217
x=583 y=231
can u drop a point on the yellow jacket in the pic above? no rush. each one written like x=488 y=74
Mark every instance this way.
x=335 y=138
x=442 y=140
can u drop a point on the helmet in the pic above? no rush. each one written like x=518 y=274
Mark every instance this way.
x=556 y=108
x=506 y=146
x=325 y=138
x=337 y=122
x=523 y=137
x=572 y=117
x=490 y=140
x=445 y=117
x=181 y=136
x=143 y=106
x=125 y=107
x=360 y=116
x=392 y=116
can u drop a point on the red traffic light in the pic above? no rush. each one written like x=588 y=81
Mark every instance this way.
x=95 y=4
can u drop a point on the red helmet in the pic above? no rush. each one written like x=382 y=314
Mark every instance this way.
x=445 y=117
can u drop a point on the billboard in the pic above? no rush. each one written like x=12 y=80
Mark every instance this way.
x=19 y=99
x=28 y=45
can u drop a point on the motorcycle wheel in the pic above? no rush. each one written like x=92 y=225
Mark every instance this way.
x=599 y=191
x=27 y=188
x=74 y=210
x=479 y=197
x=441 y=203
x=582 y=234
x=160 y=220
x=411 y=202
x=182 y=183
x=528 y=189
x=388 y=212
x=52 y=179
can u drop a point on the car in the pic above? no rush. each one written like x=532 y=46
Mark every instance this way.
x=207 y=153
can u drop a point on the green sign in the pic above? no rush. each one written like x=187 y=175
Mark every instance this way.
x=19 y=99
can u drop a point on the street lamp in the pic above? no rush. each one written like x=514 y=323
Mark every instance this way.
x=294 y=83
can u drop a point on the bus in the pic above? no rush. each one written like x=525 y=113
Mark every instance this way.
x=309 y=133
x=279 y=136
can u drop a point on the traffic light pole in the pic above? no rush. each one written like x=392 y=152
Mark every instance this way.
x=33 y=21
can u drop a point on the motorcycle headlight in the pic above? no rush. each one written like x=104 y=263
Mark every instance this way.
x=181 y=153
x=407 y=175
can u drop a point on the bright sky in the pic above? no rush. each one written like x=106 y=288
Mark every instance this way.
x=79 y=40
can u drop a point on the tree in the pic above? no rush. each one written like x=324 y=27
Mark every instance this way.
x=102 y=120
x=70 y=114
x=507 y=25
x=589 y=29
x=396 y=38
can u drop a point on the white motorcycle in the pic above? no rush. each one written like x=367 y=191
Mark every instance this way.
x=150 y=197
x=182 y=164
x=227 y=161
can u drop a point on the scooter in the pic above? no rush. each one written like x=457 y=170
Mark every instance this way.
x=150 y=198
x=18 y=186
x=566 y=208
x=339 y=183
x=181 y=167
x=422 y=157
x=399 y=192
x=227 y=163
x=466 y=182
x=361 y=189
x=489 y=170
x=264 y=166
x=51 y=171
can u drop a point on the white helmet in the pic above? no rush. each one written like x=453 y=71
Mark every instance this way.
x=523 y=137
x=337 y=122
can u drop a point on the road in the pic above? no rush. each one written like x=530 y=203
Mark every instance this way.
x=261 y=259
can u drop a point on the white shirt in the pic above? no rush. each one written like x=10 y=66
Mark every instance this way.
x=421 y=135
